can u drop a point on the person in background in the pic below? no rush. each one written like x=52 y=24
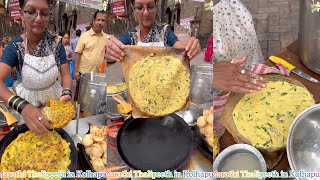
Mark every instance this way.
x=209 y=50
x=5 y=40
x=73 y=48
x=149 y=32
x=91 y=48
x=39 y=60
x=66 y=44
x=74 y=43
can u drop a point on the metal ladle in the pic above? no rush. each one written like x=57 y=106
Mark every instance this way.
x=75 y=137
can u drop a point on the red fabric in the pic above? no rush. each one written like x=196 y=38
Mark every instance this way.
x=209 y=51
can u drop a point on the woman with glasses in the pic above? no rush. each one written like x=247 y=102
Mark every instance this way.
x=149 y=32
x=39 y=59
x=227 y=76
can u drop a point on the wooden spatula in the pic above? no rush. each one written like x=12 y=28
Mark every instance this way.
x=9 y=117
x=125 y=107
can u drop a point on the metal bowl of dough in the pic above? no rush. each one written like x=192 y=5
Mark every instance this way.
x=303 y=143
x=240 y=149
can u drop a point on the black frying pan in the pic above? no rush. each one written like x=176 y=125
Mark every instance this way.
x=158 y=144
x=13 y=134
x=204 y=147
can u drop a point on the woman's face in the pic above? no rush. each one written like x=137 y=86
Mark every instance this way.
x=145 y=11
x=65 y=39
x=36 y=16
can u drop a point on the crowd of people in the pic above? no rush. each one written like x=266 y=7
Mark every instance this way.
x=42 y=61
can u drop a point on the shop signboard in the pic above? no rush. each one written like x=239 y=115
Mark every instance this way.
x=2 y=9
x=14 y=9
x=85 y=3
x=118 y=7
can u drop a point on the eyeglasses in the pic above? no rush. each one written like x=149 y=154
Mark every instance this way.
x=34 y=15
x=150 y=9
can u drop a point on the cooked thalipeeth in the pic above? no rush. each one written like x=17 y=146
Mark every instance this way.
x=159 y=85
x=49 y=152
x=264 y=117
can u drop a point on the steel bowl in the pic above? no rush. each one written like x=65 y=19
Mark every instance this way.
x=238 y=148
x=303 y=143
x=190 y=115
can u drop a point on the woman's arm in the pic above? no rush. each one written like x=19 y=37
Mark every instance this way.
x=66 y=81
x=4 y=73
x=29 y=113
x=192 y=47
x=65 y=74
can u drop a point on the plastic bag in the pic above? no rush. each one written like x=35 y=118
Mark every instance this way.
x=71 y=68
x=234 y=33
x=138 y=53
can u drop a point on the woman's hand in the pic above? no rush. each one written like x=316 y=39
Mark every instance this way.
x=115 y=49
x=193 y=47
x=232 y=77
x=35 y=121
x=76 y=75
x=65 y=98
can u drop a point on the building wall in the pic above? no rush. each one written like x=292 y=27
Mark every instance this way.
x=276 y=23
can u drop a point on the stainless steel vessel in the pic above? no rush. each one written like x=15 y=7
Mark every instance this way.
x=201 y=84
x=92 y=96
x=309 y=34
x=111 y=110
x=303 y=143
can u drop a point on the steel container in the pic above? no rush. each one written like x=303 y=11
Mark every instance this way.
x=303 y=143
x=309 y=34
x=111 y=110
x=92 y=96
x=201 y=90
x=239 y=148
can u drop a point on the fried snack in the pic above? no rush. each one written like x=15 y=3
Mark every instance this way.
x=94 y=129
x=49 y=152
x=202 y=121
x=60 y=113
x=205 y=125
x=97 y=151
x=87 y=140
x=159 y=85
x=98 y=164
x=98 y=135
x=103 y=145
x=104 y=158
x=264 y=117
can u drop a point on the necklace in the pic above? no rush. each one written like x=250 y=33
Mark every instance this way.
x=32 y=48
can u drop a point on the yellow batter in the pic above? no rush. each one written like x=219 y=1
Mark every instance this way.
x=116 y=88
x=264 y=117
x=159 y=85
